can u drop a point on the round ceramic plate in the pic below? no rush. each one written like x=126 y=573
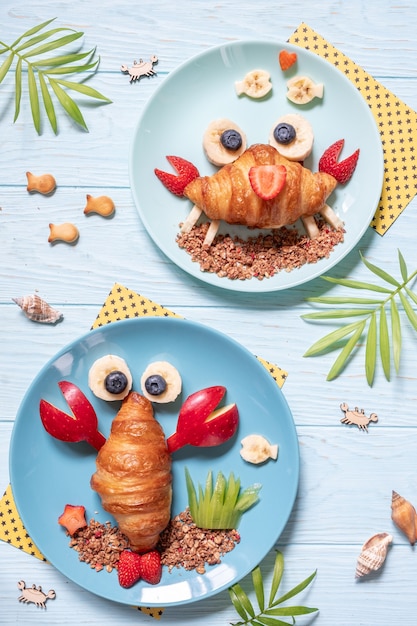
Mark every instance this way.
x=46 y=474
x=201 y=90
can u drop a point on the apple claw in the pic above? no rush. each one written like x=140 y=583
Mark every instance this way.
x=201 y=424
x=81 y=426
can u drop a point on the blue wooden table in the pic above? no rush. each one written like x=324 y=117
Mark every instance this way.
x=346 y=476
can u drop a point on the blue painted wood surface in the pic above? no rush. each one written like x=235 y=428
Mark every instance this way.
x=346 y=476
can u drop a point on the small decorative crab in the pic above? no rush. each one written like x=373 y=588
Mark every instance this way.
x=34 y=594
x=356 y=417
x=143 y=68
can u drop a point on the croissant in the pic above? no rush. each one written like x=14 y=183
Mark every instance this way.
x=133 y=474
x=227 y=195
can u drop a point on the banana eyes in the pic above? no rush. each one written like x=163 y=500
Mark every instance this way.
x=109 y=378
x=223 y=142
x=161 y=382
x=292 y=135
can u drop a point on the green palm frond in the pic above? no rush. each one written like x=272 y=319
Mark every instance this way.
x=268 y=615
x=45 y=82
x=381 y=338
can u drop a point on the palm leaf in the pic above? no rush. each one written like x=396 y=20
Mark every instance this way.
x=356 y=284
x=41 y=83
x=81 y=88
x=5 y=66
x=380 y=272
x=32 y=31
x=18 y=89
x=396 y=334
x=370 y=350
x=38 y=39
x=384 y=343
x=68 y=104
x=48 y=104
x=34 y=99
x=345 y=353
x=269 y=615
x=389 y=337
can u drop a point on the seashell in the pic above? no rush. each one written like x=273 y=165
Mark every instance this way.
x=373 y=554
x=103 y=205
x=404 y=516
x=38 y=310
x=63 y=232
x=44 y=184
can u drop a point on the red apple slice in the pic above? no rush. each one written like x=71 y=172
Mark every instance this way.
x=200 y=425
x=81 y=426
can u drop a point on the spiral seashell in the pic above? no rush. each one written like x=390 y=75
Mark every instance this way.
x=44 y=184
x=38 y=310
x=373 y=554
x=404 y=516
x=103 y=205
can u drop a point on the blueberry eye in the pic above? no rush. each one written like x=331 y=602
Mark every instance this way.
x=231 y=139
x=155 y=385
x=284 y=133
x=115 y=382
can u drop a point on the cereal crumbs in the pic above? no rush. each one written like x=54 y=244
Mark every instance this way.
x=260 y=257
x=183 y=544
x=99 y=545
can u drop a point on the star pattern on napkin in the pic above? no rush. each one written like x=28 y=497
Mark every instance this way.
x=396 y=122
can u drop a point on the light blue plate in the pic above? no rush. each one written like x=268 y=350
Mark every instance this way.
x=46 y=473
x=201 y=90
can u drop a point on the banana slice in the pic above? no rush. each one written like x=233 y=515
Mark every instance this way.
x=223 y=142
x=300 y=139
x=109 y=378
x=301 y=89
x=255 y=84
x=257 y=449
x=161 y=382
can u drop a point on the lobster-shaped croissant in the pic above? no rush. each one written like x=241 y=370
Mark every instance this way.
x=133 y=475
x=227 y=195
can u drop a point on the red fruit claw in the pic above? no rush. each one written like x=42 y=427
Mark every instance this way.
x=342 y=171
x=176 y=183
x=200 y=425
x=81 y=426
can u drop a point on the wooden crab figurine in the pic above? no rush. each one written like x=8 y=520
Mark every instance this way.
x=235 y=195
x=34 y=594
x=356 y=417
x=143 y=68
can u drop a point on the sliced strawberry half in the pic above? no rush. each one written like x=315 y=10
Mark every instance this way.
x=267 y=180
x=342 y=171
x=129 y=568
x=286 y=59
x=176 y=183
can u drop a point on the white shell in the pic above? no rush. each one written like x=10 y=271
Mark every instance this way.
x=38 y=310
x=373 y=554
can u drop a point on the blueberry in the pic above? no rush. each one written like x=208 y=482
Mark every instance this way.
x=115 y=382
x=284 y=133
x=231 y=139
x=155 y=385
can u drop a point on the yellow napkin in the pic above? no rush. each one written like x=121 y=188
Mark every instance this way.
x=397 y=124
x=121 y=303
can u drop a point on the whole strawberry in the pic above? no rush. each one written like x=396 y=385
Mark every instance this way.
x=151 y=567
x=129 y=568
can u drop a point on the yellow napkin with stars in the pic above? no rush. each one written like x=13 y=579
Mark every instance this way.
x=397 y=125
x=121 y=303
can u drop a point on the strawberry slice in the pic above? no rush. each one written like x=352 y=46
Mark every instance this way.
x=129 y=568
x=342 y=171
x=286 y=59
x=267 y=180
x=176 y=183
x=73 y=518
